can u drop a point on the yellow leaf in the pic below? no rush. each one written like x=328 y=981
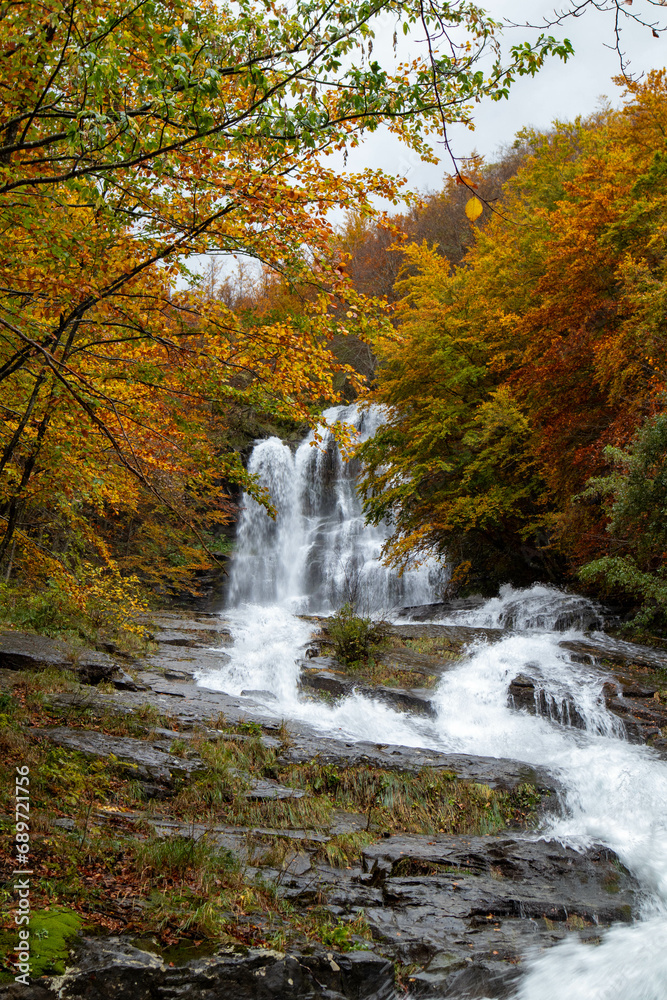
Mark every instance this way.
x=474 y=209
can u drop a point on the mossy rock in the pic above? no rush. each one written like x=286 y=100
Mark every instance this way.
x=51 y=934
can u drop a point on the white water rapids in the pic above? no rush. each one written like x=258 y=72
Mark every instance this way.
x=318 y=553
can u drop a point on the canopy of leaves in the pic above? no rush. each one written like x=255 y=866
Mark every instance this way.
x=507 y=378
x=133 y=137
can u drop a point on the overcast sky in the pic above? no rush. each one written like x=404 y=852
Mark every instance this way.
x=560 y=90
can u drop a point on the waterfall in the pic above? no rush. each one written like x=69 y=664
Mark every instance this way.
x=319 y=553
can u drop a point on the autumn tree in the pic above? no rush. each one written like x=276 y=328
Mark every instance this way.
x=373 y=245
x=510 y=377
x=134 y=137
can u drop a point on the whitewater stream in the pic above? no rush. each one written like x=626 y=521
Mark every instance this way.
x=318 y=553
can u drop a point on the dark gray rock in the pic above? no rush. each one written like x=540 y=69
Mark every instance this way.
x=644 y=719
x=438 y=972
x=184 y=621
x=590 y=884
x=269 y=790
x=313 y=676
x=617 y=651
x=297 y=863
x=455 y=635
x=449 y=893
x=184 y=661
x=521 y=693
x=525 y=693
x=123 y=682
x=413 y=662
x=346 y=822
x=469 y=908
x=24 y=651
x=403 y=699
x=258 y=693
x=113 y=969
x=17 y=991
x=316 y=676
x=189 y=638
x=481 y=981
x=64 y=822
x=441 y=609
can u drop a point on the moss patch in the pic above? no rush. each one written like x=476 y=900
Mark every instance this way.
x=51 y=934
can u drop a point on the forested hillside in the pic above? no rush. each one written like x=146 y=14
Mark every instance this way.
x=521 y=356
x=525 y=379
x=133 y=140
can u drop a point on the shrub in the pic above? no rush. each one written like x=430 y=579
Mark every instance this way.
x=353 y=636
x=92 y=602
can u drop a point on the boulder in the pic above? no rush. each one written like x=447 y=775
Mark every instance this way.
x=468 y=909
x=25 y=651
x=524 y=693
x=402 y=699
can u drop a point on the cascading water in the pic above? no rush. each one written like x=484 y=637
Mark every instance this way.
x=615 y=792
x=318 y=552
x=540 y=607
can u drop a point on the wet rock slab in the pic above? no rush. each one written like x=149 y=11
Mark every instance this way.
x=190 y=638
x=438 y=609
x=497 y=773
x=524 y=693
x=636 y=692
x=25 y=651
x=114 y=969
x=268 y=790
x=456 y=635
x=506 y=876
x=617 y=651
x=644 y=718
x=468 y=909
x=427 y=664
x=148 y=761
x=315 y=676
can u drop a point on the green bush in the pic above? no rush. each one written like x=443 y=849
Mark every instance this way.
x=353 y=636
x=94 y=602
x=620 y=575
x=635 y=495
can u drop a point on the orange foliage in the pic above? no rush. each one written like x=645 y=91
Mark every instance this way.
x=510 y=375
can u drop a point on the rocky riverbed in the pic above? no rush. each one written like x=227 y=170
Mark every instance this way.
x=205 y=847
